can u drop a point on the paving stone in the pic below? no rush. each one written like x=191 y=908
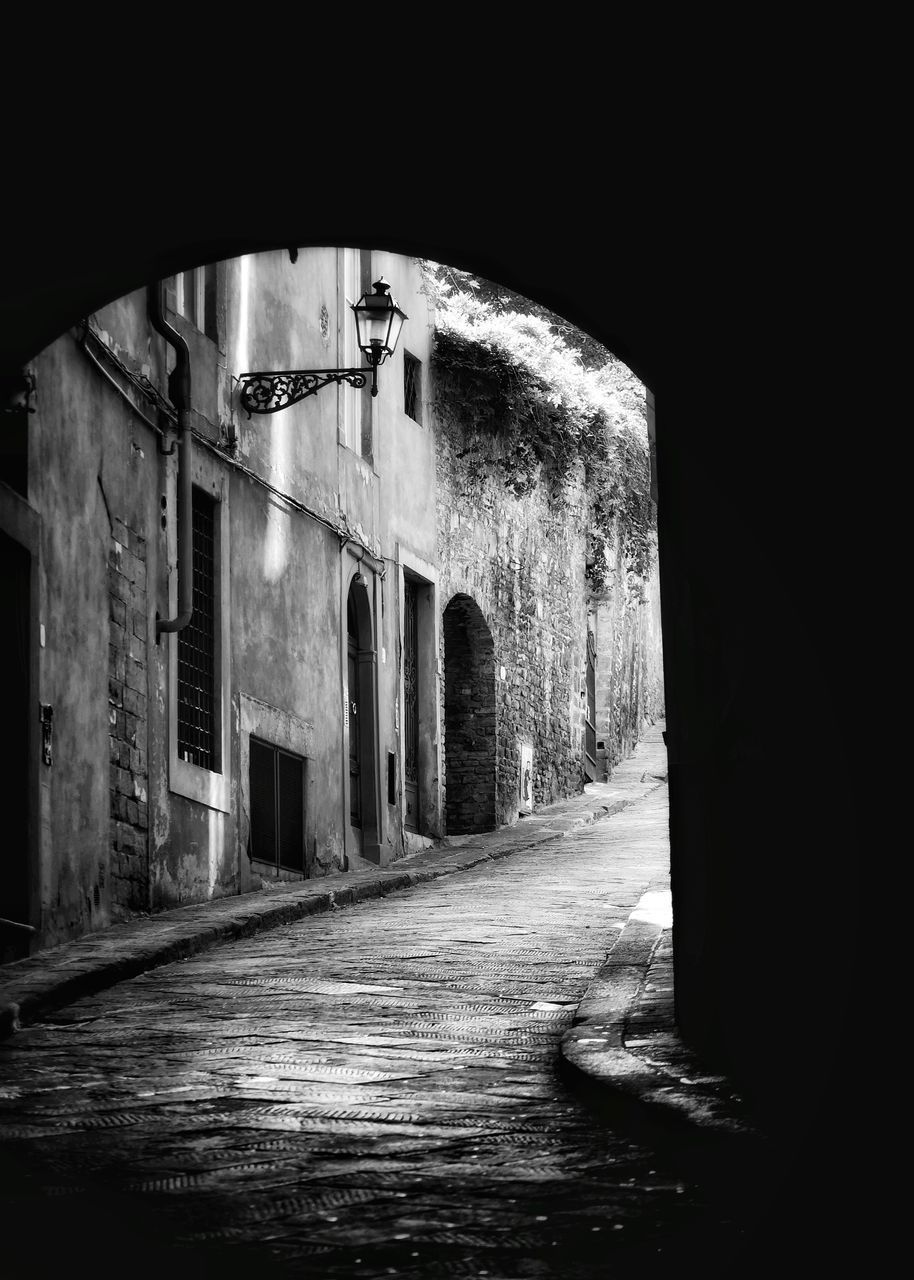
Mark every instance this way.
x=378 y=1084
x=358 y=1092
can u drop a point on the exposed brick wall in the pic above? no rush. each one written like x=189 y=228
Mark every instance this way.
x=127 y=719
x=469 y=718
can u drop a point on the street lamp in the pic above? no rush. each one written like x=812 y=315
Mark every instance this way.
x=378 y=321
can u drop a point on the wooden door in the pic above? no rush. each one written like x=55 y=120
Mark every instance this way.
x=411 y=706
x=352 y=715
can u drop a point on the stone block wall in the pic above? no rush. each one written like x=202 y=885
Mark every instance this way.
x=127 y=722
x=521 y=560
x=629 y=665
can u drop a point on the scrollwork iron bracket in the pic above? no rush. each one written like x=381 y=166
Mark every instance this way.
x=270 y=392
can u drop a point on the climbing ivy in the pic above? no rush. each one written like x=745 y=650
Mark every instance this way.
x=623 y=514
x=539 y=403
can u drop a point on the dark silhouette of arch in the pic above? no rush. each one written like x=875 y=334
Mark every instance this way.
x=667 y=287
x=469 y=718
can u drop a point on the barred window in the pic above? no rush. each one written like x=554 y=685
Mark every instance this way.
x=277 y=781
x=412 y=386
x=197 y=720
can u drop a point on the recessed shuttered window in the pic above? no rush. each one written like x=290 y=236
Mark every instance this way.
x=412 y=387
x=277 y=806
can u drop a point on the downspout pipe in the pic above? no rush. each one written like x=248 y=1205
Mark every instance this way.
x=181 y=399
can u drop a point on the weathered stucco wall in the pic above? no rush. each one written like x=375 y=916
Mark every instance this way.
x=304 y=510
x=94 y=482
x=285 y=643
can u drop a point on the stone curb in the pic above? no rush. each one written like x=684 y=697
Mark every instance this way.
x=679 y=1103
x=47 y=981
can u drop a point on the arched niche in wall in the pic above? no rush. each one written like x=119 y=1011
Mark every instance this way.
x=469 y=718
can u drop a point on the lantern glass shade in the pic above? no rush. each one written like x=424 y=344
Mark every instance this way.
x=378 y=322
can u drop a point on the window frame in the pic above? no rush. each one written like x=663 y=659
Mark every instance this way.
x=195 y=295
x=409 y=360
x=185 y=634
x=275 y=863
x=191 y=302
x=205 y=786
x=207 y=287
x=281 y=729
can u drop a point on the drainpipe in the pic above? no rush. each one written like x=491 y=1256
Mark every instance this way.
x=181 y=397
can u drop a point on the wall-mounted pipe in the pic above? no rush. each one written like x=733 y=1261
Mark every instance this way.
x=181 y=399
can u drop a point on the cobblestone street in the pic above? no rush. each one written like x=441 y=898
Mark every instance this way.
x=365 y=1093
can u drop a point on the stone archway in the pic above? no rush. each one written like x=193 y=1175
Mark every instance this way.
x=469 y=718
x=714 y=479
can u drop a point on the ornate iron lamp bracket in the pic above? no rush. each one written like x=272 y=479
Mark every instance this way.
x=270 y=392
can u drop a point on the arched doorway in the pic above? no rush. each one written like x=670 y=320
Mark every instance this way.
x=469 y=718
x=360 y=723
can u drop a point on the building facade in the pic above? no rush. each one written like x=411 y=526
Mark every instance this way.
x=387 y=646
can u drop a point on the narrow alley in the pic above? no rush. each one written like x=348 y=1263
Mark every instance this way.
x=420 y=634
x=365 y=1093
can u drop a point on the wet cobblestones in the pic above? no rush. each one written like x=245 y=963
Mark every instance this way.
x=365 y=1093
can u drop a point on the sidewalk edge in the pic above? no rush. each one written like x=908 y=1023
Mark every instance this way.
x=697 y=1111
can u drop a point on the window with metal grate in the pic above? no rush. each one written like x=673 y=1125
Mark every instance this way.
x=412 y=387
x=197 y=727
x=277 y=788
